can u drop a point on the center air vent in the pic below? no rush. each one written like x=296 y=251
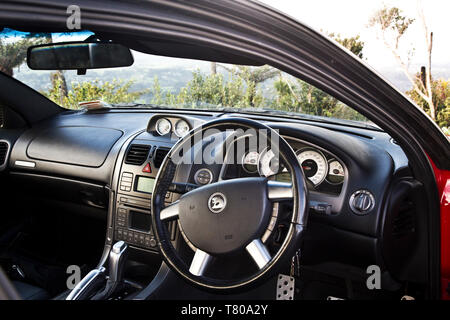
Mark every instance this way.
x=3 y=152
x=137 y=154
x=159 y=156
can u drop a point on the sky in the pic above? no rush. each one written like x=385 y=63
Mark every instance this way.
x=350 y=18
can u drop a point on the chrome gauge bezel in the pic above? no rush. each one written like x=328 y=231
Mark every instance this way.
x=175 y=128
x=328 y=173
x=157 y=126
x=259 y=163
x=256 y=165
x=299 y=151
x=198 y=172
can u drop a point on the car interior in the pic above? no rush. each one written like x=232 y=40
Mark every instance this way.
x=95 y=188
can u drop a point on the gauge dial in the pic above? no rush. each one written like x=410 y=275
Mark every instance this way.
x=250 y=161
x=314 y=164
x=336 y=172
x=163 y=126
x=181 y=128
x=203 y=176
x=268 y=163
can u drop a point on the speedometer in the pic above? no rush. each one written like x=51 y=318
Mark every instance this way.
x=314 y=164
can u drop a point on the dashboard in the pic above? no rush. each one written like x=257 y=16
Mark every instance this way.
x=349 y=170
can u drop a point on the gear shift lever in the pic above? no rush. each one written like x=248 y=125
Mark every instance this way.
x=117 y=258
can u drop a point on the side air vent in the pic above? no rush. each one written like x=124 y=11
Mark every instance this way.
x=404 y=222
x=3 y=153
x=137 y=154
x=159 y=156
x=2 y=117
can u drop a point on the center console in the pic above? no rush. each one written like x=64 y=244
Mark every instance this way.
x=132 y=216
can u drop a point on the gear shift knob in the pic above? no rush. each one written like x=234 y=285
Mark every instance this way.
x=117 y=258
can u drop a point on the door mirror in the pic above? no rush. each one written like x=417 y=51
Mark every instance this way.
x=78 y=56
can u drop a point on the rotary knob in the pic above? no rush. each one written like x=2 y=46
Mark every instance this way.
x=362 y=202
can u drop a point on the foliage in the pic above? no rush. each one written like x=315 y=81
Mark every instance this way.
x=304 y=98
x=392 y=26
x=441 y=99
x=115 y=92
x=354 y=44
x=391 y=20
x=13 y=54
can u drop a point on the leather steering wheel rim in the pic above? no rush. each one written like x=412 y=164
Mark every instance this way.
x=297 y=224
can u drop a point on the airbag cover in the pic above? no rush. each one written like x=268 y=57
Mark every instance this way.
x=84 y=146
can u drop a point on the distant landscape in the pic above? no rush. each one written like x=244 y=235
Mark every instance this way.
x=173 y=78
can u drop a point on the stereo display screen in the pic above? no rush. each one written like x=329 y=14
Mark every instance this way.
x=144 y=184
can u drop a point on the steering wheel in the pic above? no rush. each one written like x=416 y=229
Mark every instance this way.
x=229 y=216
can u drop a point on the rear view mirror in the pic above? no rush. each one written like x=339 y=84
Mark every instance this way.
x=78 y=56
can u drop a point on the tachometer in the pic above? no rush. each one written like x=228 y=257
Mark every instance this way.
x=336 y=172
x=250 y=161
x=314 y=164
x=268 y=163
x=163 y=126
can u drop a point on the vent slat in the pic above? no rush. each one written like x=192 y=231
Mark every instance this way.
x=159 y=156
x=137 y=154
x=3 y=152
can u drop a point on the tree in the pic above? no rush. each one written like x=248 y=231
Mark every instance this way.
x=391 y=26
x=299 y=96
x=13 y=54
x=253 y=76
x=354 y=44
x=441 y=99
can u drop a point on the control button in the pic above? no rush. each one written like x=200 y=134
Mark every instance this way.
x=203 y=176
x=152 y=242
x=127 y=174
x=362 y=202
x=147 y=168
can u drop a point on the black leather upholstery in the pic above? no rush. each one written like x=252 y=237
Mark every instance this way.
x=30 y=292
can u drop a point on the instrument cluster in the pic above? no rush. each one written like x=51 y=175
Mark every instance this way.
x=324 y=171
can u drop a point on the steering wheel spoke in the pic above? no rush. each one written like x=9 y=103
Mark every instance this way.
x=199 y=263
x=259 y=253
x=279 y=191
x=170 y=212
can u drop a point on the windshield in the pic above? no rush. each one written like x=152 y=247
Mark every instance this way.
x=157 y=81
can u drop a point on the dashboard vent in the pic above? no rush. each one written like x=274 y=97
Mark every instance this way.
x=2 y=117
x=159 y=156
x=404 y=223
x=3 y=152
x=137 y=154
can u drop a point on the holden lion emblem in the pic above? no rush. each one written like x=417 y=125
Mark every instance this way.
x=217 y=202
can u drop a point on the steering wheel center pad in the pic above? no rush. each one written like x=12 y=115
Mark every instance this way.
x=244 y=214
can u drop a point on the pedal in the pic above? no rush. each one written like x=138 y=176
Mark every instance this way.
x=405 y=297
x=285 y=287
